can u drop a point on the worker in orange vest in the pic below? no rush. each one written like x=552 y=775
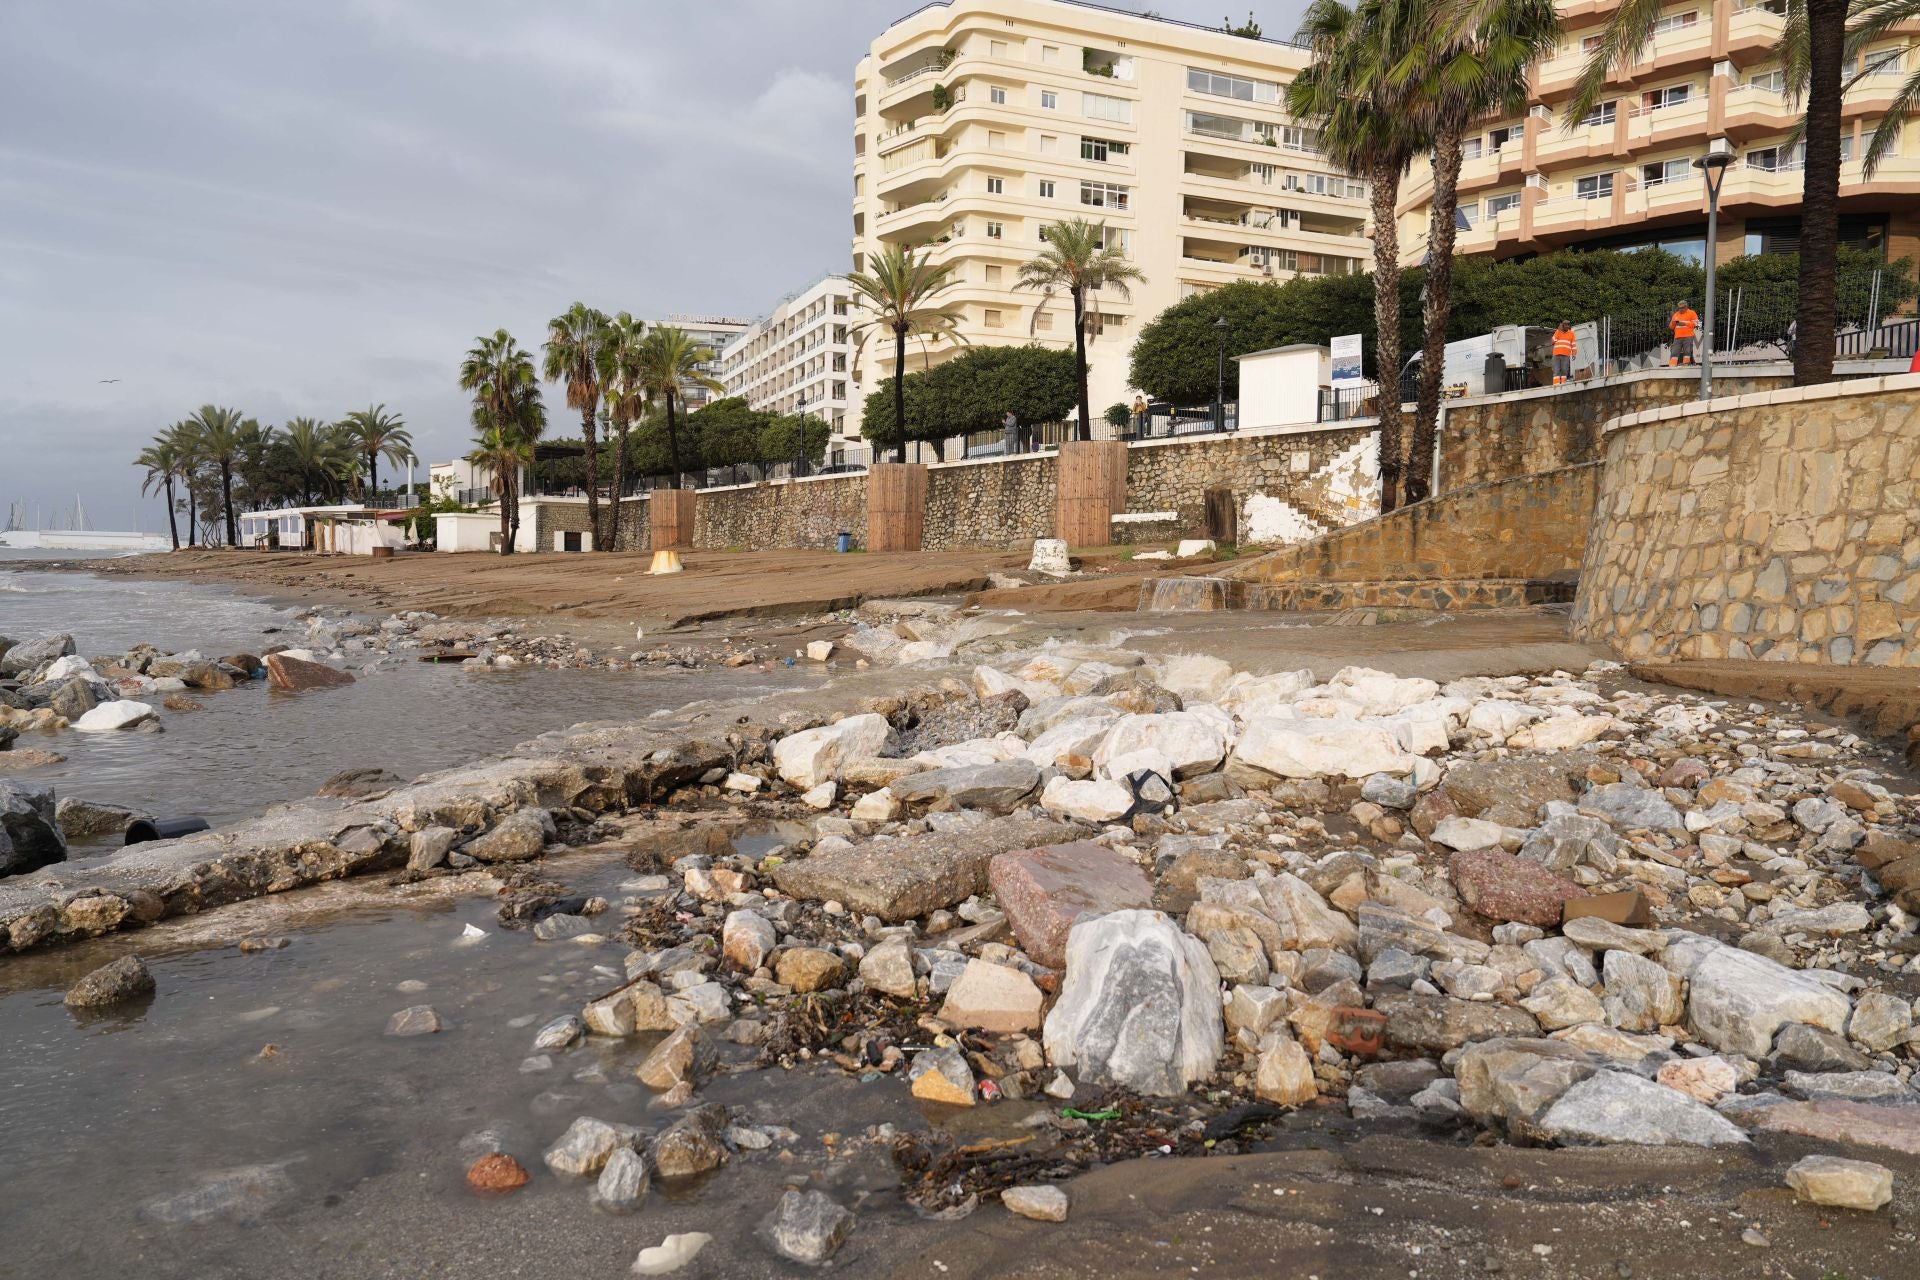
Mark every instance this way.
x=1685 y=325
x=1563 y=345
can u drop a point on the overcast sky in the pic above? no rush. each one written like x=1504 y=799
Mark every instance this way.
x=301 y=208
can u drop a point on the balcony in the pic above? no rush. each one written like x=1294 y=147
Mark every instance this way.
x=1751 y=111
x=1663 y=122
x=1665 y=197
x=1555 y=147
x=1754 y=34
x=1573 y=214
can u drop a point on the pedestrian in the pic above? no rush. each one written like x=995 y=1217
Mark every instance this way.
x=1564 y=343
x=1010 y=433
x=1685 y=323
x=1139 y=415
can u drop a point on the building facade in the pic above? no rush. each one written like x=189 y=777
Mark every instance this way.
x=799 y=358
x=1624 y=177
x=713 y=332
x=979 y=122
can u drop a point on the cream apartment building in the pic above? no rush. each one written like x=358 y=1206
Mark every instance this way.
x=978 y=122
x=1623 y=177
x=799 y=358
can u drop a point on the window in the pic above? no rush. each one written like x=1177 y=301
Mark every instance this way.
x=1470 y=149
x=1043 y=320
x=1589 y=43
x=1264 y=173
x=996 y=186
x=1046 y=188
x=1595 y=186
x=1605 y=113
x=1113 y=238
x=1235 y=87
x=1098 y=106
x=1673 y=95
x=1777 y=158
x=1469 y=213
x=1049 y=53
x=1661 y=172
x=1103 y=195
x=997 y=95
x=993 y=319
x=997 y=49
x=1099 y=149
x=1313 y=264
x=1774 y=81
x=1846 y=146
x=1295 y=138
x=1885 y=62
x=1498 y=138
x=996 y=139
x=1049 y=144
x=1049 y=100
x=993 y=230
x=1675 y=21
x=993 y=273
x=1325 y=184
x=1497 y=205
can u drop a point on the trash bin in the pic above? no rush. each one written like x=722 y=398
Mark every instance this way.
x=1494 y=377
x=844 y=543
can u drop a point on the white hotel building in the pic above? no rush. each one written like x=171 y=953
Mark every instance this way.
x=799 y=358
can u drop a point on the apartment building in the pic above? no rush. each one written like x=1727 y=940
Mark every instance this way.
x=979 y=122
x=714 y=333
x=799 y=357
x=1624 y=177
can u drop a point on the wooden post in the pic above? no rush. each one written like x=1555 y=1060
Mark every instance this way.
x=1222 y=516
x=896 y=506
x=1091 y=488
x=670 y=518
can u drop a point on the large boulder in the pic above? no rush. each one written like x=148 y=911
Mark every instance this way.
x=520 y=835
x=1320 y=749
x=30 y=836
x=900 y=877
x=31 y=654
x=1044 y=891
x=291 y=675
x=1513 y=1081
x=1435 y=1024
x=1617 y=1107
x=81 y=818
x=1193 y=743
x=1737 y=1000
x=813 y=756
x=994 y=788
x=1139 y=1008
x=110 y=717
x=74 y=697
x=1499 y=886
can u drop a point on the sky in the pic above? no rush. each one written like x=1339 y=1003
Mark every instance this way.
x=304 y=209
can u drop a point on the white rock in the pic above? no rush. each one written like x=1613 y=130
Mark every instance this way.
x=1043 y=1204
x=109 y=716
x=1616 y=1107
x=819 y=650
x=1151 y=759
x=822 y=796
x=671 y=1254
x=1380 y=693
x=1259 y=695
x=1561 y=733
x=738 y=781
x=747 y=939
x=1284 y=1073
x=1499 y=719
x=1192 y=547
x=1192 y=742
x=813 y=756
x=1737 y=1000
x=1467 y=833
x=1076 y=737
x=1195 y=677
x=1320 y=749
x=1139 y=1007
x=1844 y=1184
x=1049 y=556
x=1093 y=800
x=876 y=806
x=62 y=668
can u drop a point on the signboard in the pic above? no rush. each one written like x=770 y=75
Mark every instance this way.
x=1346 y=359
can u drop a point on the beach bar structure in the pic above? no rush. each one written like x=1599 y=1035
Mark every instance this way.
x=343 y=529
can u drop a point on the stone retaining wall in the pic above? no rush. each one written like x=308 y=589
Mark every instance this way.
x=1525 y=528
x=1778 y=525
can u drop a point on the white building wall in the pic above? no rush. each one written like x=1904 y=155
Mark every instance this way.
x=800 y=356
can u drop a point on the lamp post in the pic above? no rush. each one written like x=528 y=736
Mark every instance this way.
x=1220 y=328
x=800 y=446
x=1713 y=167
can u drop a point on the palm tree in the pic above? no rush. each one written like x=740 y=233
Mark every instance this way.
x=577 y=342
x=162 y=461
x=1352 y=94
x=898 y=288
x=507 y=417
x=186 y=446
x=1813 y=49
x=373 y=433
x=319 y=456
x=221 y=436
x=670 y=360
x=1079 y=259
x=1476 y=61
x=624 y=398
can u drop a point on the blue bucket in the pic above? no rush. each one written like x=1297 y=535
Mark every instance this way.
x=844 y=543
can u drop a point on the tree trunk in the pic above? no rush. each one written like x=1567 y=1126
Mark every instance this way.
x=619 y=484
x=900 y=393
x=593 y=475
x=226 y=500
x=373 y=474
x=1433 y=352
x=1084 y=430
x=193 y=514
x=673 y=441
x=1384 y=182
x=1813 y=346
x=173 y=525
x=506 y=526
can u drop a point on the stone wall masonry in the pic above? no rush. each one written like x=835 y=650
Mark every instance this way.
x=811 y=513
x=1778 y=525
x=1522 y=529
x=1299 y=468
x=990 y=503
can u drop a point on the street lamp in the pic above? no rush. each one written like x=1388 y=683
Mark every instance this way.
x=1713 y=167
x=800 y=448
x=1220 y=328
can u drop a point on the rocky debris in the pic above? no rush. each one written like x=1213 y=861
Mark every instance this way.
x=807 y=969
x=691 y=1145
x=680 y=1057
x=993 y=997
x=888 y=968
x=623 y=1182
x=429 y=848
x=124 y=979
x=942 y=1075
x=1841 y=1183
x=1042 y=1204
x=1616 y=1107
x=360 y=783
x=747 y=939
x=1436 y=1023
x=294 y=675
x=1089 y=800
x=584 y=1149
x=1737 y=1000
x=520 y=835
x=1503 y=887
x=996 y=788
x=813 y=756
x=419 y=1020
x=1318 y=749
x=1043 y=891
x=79 y=819
x=30 y=835
x=900 y=877
x=28 y=655
x=807 y=1227
x=496 y=1173
x=1139 y=1008
x=1895 y=1128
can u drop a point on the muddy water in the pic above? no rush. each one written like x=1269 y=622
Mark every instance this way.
x=252 y=747
x=158 y=1141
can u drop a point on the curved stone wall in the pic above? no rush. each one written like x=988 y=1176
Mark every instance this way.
x=1779 y=525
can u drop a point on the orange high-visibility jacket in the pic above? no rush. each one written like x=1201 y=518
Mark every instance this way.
x=1684 y=323
x=1563 y=342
